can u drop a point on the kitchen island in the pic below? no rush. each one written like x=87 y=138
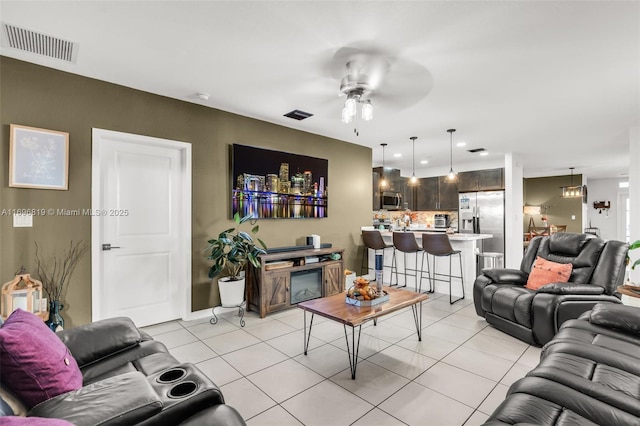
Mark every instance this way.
x=466 y=243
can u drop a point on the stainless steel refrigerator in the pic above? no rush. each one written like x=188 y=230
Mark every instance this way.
x=483 y=213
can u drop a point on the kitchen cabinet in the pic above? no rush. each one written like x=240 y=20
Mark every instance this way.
x=396 y=184
x=481 y=180
x=376 y=191
x=447 y=194
x=394 y=181
x=437 y=193
x=427 y=194
x=409 y=195
x=270 y=290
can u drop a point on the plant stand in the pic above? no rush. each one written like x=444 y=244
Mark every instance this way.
x=240 y=307
x=232 y=295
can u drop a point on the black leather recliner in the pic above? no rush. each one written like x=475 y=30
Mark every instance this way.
x=501 y=297
x=588 y=374
x=130 y=379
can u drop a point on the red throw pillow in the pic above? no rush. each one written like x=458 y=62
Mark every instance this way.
x=35 y=364
x=546 y=272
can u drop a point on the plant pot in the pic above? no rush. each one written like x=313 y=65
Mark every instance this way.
x=231 y=292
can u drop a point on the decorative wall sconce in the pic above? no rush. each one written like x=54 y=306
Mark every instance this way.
x=602 y=205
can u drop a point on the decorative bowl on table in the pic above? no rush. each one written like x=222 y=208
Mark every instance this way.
x=365 y=293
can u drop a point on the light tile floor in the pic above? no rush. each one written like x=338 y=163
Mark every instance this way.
x=457 y=375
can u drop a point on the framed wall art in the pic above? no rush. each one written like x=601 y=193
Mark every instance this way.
x=38 y=158
x=270 y=184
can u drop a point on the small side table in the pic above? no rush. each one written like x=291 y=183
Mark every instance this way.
x=630 y=295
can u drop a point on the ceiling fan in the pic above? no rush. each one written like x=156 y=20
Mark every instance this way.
x=367 y=74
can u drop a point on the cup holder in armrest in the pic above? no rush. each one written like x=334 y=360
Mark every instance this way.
x=182 y=390
x=171 y=375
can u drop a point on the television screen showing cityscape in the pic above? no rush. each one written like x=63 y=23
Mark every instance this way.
x=278 y=185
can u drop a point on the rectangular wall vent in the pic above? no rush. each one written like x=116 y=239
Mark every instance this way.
x=296 y=114
x=38 y=43
x=476 y=150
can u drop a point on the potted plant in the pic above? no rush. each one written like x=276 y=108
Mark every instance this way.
x=230 y=253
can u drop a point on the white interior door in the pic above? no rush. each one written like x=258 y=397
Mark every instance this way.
x=141 y=232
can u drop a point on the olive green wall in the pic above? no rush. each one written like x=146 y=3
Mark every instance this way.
x=36 y=96
x=546 y=191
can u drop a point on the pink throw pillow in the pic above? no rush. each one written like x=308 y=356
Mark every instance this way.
x=32 y=421
x=35 y=364
x=546 y=272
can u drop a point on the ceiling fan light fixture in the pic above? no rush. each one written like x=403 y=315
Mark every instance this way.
x=367 y=110
x=346 y=117
x=357 y=88
x=350 y=105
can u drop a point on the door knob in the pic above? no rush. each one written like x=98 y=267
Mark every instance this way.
x=107 y=247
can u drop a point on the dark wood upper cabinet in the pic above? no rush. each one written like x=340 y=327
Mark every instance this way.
x=436 y=193
x=447 y=194
x=376 y=191
x=427 y=194
x=481 y=180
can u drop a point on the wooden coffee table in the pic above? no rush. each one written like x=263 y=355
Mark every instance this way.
x=336 y=309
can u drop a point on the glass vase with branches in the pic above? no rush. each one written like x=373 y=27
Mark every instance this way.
x=55 y=272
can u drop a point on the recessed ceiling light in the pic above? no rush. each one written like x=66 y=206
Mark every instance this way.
x=397 y=155
x=484 y=153
x=203 y=96
x=461 y=144
x=424 y=161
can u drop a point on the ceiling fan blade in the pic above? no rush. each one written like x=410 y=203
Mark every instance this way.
x=406 y=84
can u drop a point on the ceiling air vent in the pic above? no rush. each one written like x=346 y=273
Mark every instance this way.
x=296 y=114
x=476 y=150
x=38 y=43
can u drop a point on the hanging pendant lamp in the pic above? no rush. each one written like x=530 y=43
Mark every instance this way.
x=573 y=191
x=413 y=180
x=452 y=176
x=383 y=181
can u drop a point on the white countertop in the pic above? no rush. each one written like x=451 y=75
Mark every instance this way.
x=452 y=237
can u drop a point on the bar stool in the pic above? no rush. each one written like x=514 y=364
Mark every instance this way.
x=405 y=242
x=373 y=241
x=490 y=260
x=438 y=245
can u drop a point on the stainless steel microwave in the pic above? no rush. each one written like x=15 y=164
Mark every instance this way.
x=391 y=200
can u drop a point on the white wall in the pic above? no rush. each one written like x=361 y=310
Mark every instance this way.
x=604 y=190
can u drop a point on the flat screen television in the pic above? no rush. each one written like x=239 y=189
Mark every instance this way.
x=270 y=184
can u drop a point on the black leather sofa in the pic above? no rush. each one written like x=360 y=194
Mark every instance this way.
x=500 y=296
x=588 y=374
x=128 y=379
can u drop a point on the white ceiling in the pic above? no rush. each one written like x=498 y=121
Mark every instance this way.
x=555 y=82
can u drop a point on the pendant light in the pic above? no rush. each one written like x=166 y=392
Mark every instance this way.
x=452 y=175
x=413 y=179
x=573 y=191
x=383 y=181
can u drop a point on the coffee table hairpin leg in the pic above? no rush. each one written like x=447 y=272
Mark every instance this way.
x=354 y=349
x=307 y=337
x=417 y=318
